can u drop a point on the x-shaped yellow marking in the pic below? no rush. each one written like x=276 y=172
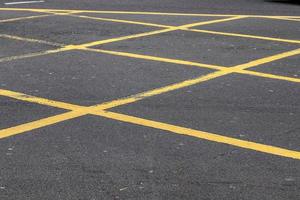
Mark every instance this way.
x=102 y=109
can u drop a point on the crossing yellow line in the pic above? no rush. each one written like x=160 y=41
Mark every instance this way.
x=101 y=42
x=80 y=110
x=139 y=13
x=77 y=111
x=192 y=30
x=196 y=64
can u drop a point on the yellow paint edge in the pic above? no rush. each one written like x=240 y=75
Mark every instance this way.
x=202 y=135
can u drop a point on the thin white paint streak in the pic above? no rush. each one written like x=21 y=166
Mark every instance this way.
x=23 y=2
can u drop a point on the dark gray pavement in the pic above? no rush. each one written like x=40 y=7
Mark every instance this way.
x=93 y=158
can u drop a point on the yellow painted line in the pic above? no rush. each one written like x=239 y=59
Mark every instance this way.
x=270 y=76
x=81 y=46
x=152 y=124
x=268 y=59
x=194 y=64
x=193 y=30
x=202 y=135
x=114 y=12
x=23 y=18
x=155 y=58
x=285 y=18
x=138 y=13
x=14 y=37
x=179 y=130
x=121 y=21
x=38 y=124
x=211 y=22
x=81 y=111
x=100 y=42
x=154 y=92
x=223 y=72
x=245 y=36
x=42 y=101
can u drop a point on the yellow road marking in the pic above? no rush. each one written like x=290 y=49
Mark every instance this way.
x=23 y=18
x=194 y=64
x=80 y=111
x=39 y=100
x=38 y=124
x=153 y=124
x=245 y=36
x=270 y=76
x=100 y=42
x=150 y=93
x=285 y=18
x=81 y=46
x=268 y=59
x=155 y=58
x=202 y=135
x=176 y=61
x=121 y=21
x=139 y=13
x=193 y=30
x=223 y=72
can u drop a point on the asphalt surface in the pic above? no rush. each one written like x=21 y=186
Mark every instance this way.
x=156 y=145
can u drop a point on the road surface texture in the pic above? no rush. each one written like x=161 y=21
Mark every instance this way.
x=136 y=99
